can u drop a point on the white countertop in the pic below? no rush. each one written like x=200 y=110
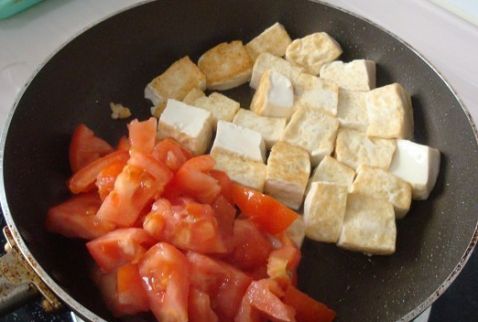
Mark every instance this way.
x=448 y=41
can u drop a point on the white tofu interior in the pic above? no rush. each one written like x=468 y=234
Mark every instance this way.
x=266 y=61
x=357 y=75
x=314 y=92
x=351 y=110
x=418 y=165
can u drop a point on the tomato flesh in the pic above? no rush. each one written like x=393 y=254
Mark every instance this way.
x=106 y=178
x=142 y=135
x=130 y=293
x=282 y=264
x=200 y=307
x=307 y=309
x=171 y=153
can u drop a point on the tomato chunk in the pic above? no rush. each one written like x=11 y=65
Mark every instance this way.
x=76 y=217
x=224 y=182
x=225 y=284
x=106 y=178
x=86 y=147
x=142 y=135
x=171 y=153
x=123 y=144
x=84 y=179
x=119 y=247
x=307 y=309
x=193 y=180
x=130 y=293
x=265 y=211
x=200 y=307
x=282 y=264
x=165 y=274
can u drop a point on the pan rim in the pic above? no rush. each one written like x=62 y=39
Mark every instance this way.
x=88 y=314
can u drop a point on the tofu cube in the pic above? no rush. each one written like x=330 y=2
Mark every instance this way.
x=313 y=51
x=390 y=113
x=157 y=110
x=181 y=77
x=418 y=165
x=317 y=93
x=369 y=225
x=333 y=171
x=354 y=149
x=240 y=141
x=357 y=75
x=249 y=173
x=226 y=66
x=286 y=180
x=193 y=95
x=273 y=40
x=274 y=96
x=313 y=130
x=266 y=61
x=352 y=111
x=221 y=107
x=296 y=232
x=324 y=211
x=270 y=128
x=379 y=183
x=189 y=125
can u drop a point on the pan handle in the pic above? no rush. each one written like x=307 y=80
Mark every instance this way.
x=18 y=282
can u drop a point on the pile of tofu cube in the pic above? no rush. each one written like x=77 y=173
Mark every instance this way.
x=318 y=136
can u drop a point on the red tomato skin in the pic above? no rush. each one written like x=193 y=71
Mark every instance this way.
x=225 y=214
x=142 y=135
x=119 y=247
x=86 y=147
x=251 y=248
x=225 y=183
x=130 y=293
x=76 y=218
x=106 y=178
x=225 y=284
x=307 y=309
x=193 y=180
x=171 y=153
x=269 y=214
x=84 y=179
x=200 y=307
x=165 y=274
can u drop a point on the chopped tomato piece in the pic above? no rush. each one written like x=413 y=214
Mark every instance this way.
x=225 y=214
x=119 y=247
x=193 y=180
x=76 y=217
x=200 y=307
x=165 y=273
x=84 y=179
x=123 y=144
x=250 y=247
x=187 y=225
x=171 y=153
x=282 y=264
x=265 y=211
x=86 y=147
x=131 y=295
x=307 y=309
x=152 y=166
x=265 y=296
x=224 y=182
x=106 y=178
x=225 y=284
x=142 y=135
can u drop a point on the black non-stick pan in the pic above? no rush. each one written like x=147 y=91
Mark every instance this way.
x=112 y=62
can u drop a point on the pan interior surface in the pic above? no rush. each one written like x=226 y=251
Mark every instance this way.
x=113 y=61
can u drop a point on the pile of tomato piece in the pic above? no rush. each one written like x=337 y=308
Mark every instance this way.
x=172 y=236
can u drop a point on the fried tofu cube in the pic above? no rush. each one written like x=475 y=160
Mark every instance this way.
x=189 y=125
x=181 y=77
x=369 y=225
x=221 y=107
x=273 y=40
x=249 y=173
x=313 y=51
x=418 y=165
x=286 y=180
x=270 y=128
x=324 y=211
x=390 y=113
x=296 y=232
x=157 y=110
x=193 y=95
x=313 y=130
x=240 y=141
x=274 y=96
x=317 y=93
x=357 y=75
x=226 y=65
x=266 y=61
x=379 y=183
x=333 y=171
x=351 y=110
x=354 y=149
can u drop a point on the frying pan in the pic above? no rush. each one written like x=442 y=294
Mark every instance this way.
x=116 y=58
